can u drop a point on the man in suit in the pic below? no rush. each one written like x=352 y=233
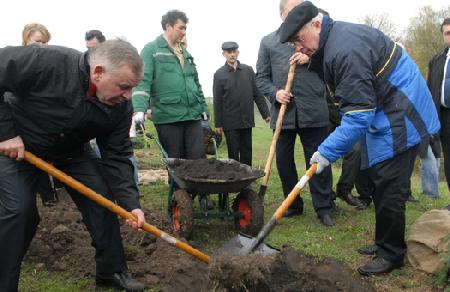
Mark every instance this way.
x=439 y=84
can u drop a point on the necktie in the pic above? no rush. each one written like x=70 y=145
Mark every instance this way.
x=447 y=85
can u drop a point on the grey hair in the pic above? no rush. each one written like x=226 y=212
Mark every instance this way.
x=283 y=5
x=116 y=53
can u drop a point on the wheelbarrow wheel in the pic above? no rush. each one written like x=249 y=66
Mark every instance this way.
x=249 y=211
x=182 y=214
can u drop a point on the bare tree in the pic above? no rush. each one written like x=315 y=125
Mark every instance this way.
x=423 y=37
x=383 y=23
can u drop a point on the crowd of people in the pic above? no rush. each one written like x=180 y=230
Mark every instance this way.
x=362 y=99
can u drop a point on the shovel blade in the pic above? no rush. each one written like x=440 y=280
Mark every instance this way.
x=242 y=245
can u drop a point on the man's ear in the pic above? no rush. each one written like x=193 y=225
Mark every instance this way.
x=97 y=72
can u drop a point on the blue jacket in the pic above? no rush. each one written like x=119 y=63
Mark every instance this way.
x=382 y=96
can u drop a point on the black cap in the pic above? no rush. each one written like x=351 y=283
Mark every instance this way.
x=229 y=46
x=297 y=17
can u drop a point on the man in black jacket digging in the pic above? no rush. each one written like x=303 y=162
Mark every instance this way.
x=64 y=99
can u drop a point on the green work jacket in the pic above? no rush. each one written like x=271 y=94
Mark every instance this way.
x=174 y=94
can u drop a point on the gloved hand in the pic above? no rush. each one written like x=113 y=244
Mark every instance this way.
x=138 y=118
x=321 y=161
x=205 y=116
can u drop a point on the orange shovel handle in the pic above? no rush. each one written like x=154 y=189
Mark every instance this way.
x=102 y=201
x=279 y=123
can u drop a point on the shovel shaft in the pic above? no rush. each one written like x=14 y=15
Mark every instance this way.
x=269 y=226
x=99 y=199
x=276 y=134
x=294 y=193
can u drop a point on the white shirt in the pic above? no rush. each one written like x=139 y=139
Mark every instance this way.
x=443 y=79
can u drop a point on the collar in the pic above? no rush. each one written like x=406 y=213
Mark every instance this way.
x=84 y=71
x=230 y=68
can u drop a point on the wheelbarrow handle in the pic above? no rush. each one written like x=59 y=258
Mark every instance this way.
x=99 y=199
x=276 y=134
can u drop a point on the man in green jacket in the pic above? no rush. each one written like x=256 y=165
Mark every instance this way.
x=171 y=90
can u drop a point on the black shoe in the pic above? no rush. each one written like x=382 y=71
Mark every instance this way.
x=121 y=280
x=378 y=266
x=362 y=204
x=348 y=198
x=368 y=250
x=412 y=199
x=293 y=212
x=327 y=220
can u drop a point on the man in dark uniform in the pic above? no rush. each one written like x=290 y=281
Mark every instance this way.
x=63 y=99
x=385 y=104
x=306 y=116
x=234 y=91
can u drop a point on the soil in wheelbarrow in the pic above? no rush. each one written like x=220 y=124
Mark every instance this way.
x=62 y=245
x=211 y=169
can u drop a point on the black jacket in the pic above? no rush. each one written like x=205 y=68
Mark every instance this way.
x=436 y=75
x=309 y=108
x=55 y=118
x=234 y=94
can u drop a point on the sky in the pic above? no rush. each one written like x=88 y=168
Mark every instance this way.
x=211 y=22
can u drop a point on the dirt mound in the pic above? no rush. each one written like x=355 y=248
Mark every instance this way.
x=287 y=271
x=62 y=244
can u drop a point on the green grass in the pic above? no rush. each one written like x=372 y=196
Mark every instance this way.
x=305 y=233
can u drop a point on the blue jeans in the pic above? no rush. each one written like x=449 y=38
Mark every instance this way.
x=430 y=174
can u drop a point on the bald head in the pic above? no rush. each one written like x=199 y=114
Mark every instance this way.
x=286 y=6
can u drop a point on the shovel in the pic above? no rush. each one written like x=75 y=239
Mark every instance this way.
x=276 y=134
x=243 y=244
x=102 y=201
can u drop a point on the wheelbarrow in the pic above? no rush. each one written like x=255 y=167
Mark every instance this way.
x=247 y=208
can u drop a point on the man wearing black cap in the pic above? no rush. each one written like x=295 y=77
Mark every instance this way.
x=234 y=93
x=306 y=116
x=385 y=104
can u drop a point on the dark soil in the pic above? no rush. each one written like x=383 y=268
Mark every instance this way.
x=212 y=169
x=62 y=244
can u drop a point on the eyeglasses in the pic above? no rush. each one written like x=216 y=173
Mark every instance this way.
x=296 y=40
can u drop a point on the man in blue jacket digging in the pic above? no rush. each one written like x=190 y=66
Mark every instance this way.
x=384 y=103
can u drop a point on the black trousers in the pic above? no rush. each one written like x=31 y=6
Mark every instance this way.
x=320 y=184
x=239 y=144
x=182 y=139
x=352 y=175
x=445 y=141
x=19 y=216
x=391 y=179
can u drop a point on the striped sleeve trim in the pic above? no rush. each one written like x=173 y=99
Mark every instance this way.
x=141 y=93
x=359 y=111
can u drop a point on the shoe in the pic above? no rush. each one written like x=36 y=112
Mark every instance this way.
x=412 y=199
x=368 y=250
x=348 y=198
x=122 y=280
x=378 y=266
x=327 y=220
x=293 y=212
x=362 y=204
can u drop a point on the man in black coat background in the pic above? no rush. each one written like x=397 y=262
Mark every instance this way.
x=235 y=91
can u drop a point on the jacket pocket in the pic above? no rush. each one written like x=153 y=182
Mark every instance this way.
x=169 y=98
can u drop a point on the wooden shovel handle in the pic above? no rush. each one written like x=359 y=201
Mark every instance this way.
x=102 y=201
x=279 y=123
